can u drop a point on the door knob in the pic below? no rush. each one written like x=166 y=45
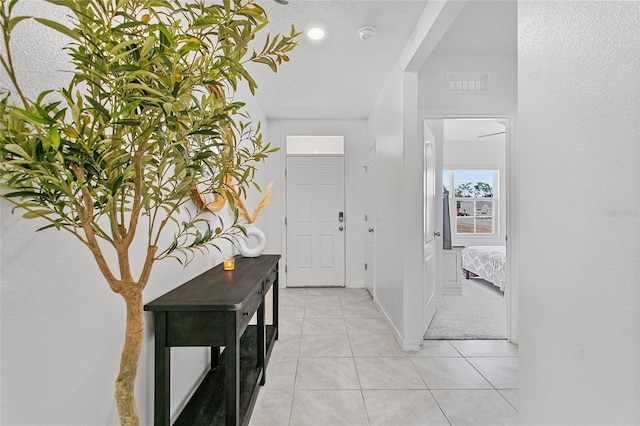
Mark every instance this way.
x=341 y=228
x=370 y=229
x=436 y=234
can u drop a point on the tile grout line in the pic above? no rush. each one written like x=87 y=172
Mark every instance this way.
x=364 y=401
x=439 y=407
x=508 y=402
x=489 y=381
x=295 y=377
x=426 y=385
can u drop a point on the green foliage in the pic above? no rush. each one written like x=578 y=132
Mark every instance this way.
x=463 y=190
x=148 y=115
x=480 y=190
x=483 y=190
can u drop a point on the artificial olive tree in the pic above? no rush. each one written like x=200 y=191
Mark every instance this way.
x=148 y=115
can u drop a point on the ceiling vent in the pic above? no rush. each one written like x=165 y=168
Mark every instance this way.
x=467 y=82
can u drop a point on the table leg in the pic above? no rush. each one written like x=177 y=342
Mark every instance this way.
x=232 y=376
x=275 y=305
x=215 y=357
x=162 y=384
x=261 y=343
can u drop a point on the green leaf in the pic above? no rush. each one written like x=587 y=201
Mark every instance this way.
x=129 y=24
x=208 y=132
x=56 y=225
x=11 y=4
x=59 y=27
x=21 y=194
x=55 y=137
x=14 y=21
x=36 y=213
x=102 y=110
x=122 y=46
x=266 y=61
x=148 y=45
x=32 y=118
x=166 y=37
x=128 y=122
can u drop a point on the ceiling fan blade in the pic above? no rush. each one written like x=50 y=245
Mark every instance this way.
x=491 y=134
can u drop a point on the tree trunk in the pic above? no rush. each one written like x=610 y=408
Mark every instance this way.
x=125 y=385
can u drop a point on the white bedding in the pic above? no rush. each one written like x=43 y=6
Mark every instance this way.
x=487 y=262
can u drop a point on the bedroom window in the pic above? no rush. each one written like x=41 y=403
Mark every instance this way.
x=473 y=197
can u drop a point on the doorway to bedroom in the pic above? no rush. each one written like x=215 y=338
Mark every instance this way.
x=472 y=173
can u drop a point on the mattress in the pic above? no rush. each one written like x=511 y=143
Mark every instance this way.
x=487 y=262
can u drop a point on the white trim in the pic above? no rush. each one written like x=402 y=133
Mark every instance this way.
x=512 y=228
x=512 y=231
x=396 y=333
x=292 y=129
x=412 y=345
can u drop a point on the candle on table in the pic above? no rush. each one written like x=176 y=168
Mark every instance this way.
x=229 y=263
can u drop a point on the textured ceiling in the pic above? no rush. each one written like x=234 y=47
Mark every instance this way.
x=341 y=76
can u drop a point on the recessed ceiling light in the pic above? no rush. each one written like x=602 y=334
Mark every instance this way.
x=315 y=33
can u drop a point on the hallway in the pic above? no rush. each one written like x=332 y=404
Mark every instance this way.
x=337 y=363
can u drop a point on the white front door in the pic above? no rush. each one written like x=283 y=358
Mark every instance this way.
x=369 y=207
x=315 y=221
x=430 y=205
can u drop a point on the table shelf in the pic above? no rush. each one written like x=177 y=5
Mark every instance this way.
x=206 y=407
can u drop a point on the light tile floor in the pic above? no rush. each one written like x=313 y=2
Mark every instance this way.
x=337 y=363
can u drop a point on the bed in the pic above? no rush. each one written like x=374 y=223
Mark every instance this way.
x=486 y=262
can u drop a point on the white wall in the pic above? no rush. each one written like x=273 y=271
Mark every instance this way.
x=579 y=160
x=385 y=127
x=480 y=154
x=396 y=126
x=355 y=135
x=62 y=328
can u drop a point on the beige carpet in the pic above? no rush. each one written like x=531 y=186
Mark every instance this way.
x=479 y=313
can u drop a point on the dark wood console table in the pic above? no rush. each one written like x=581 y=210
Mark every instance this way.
x=214 y=309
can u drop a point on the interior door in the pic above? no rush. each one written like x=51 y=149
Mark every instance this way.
x=369 y=207
x=430 y=240
x=315 y=221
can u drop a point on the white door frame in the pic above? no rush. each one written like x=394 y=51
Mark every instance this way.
x=430 y=243
x=510 y=232
x=369 y=223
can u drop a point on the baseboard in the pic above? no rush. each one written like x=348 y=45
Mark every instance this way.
x=356 y=285
x=452 y=291
x=406 y=345
x=411 y=345
x=396 y=334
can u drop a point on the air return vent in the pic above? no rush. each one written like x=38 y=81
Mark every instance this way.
x=467 y=82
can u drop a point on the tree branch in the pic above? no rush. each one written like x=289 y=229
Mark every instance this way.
x=85 y=213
